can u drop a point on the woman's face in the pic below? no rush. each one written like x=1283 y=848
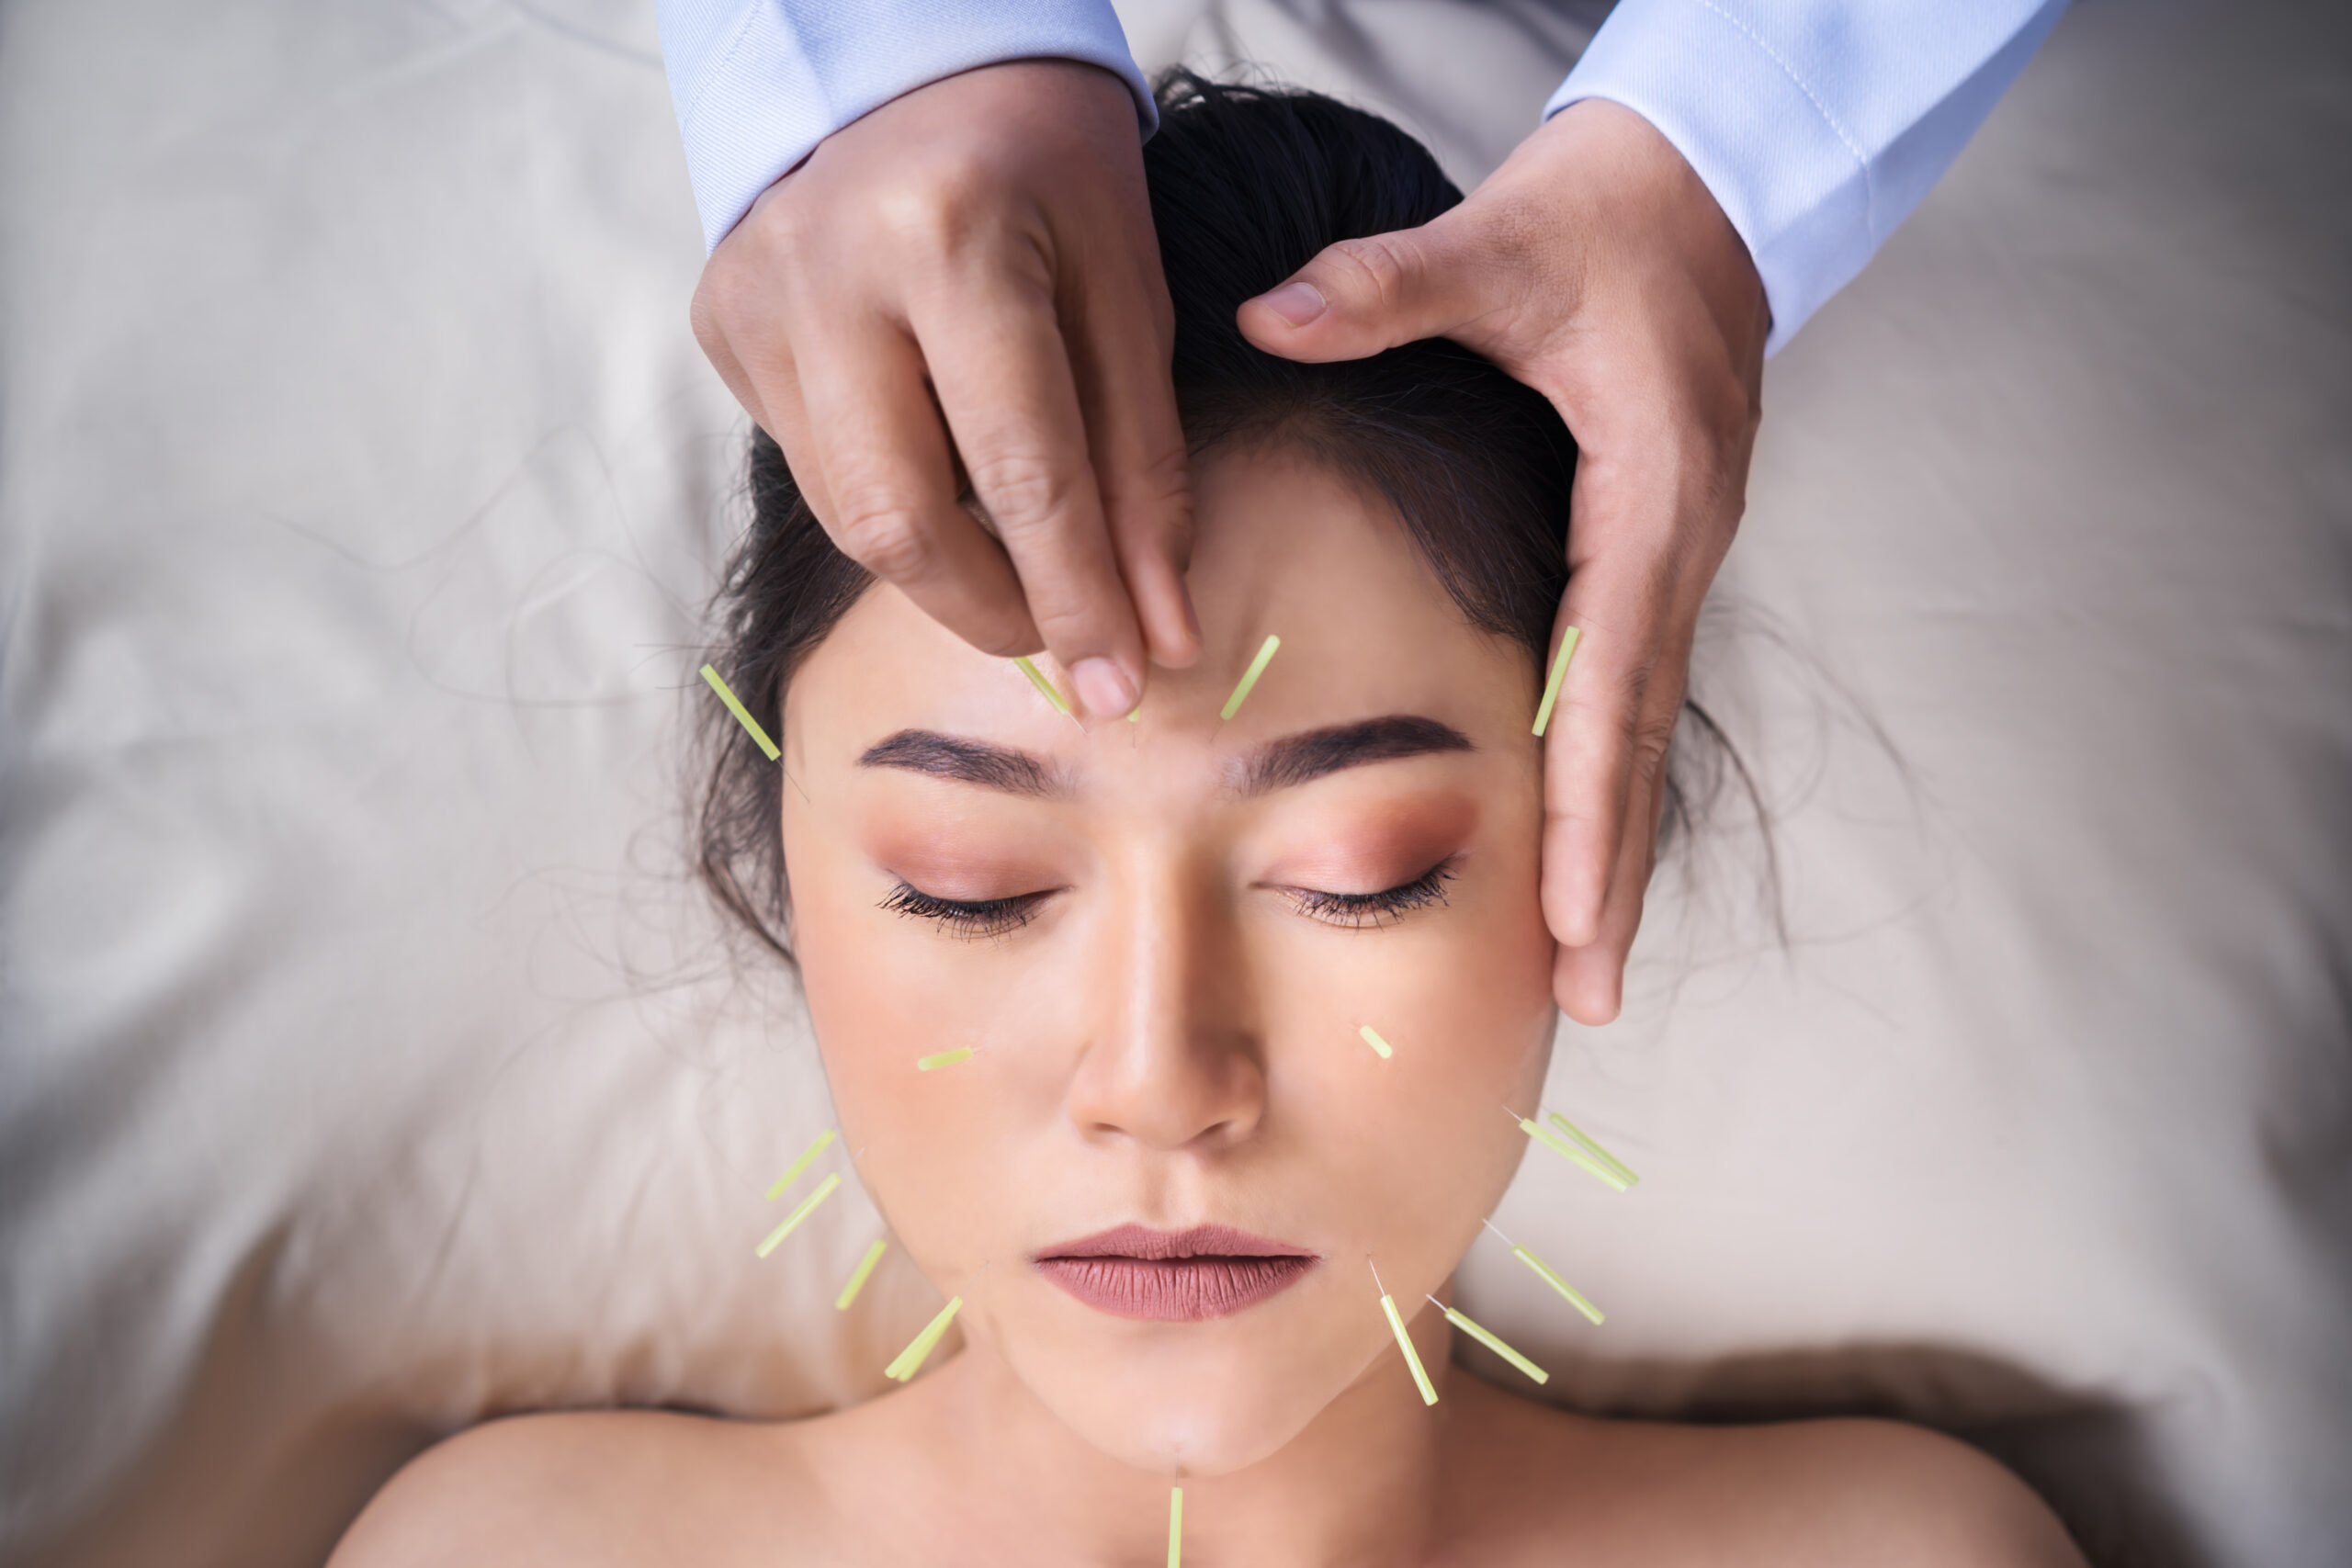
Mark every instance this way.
x=1160 y=940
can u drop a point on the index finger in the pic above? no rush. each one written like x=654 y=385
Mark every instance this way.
x=1642 y=554
x=1002 y=372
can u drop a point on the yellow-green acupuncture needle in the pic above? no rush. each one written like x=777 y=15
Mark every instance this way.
x=1584 y=1141
x=1567 y=1292
x=742 y=715
x=944 y=1058
x=1175 y=1526
x=806 y=1155
x=824 y=1190
x=1491 y=1341
x=1575 y=1157
x=1372 y=1038
x=911 y=1359
x=858 y=1276
x=1037 y=678
x=1250 y=676
x=1551 y=683
x=1404 y=1341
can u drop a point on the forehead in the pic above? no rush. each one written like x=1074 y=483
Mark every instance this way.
x=1282 y=545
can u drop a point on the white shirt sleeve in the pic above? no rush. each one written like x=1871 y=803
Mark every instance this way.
x=757 y=84
x=1817 y=124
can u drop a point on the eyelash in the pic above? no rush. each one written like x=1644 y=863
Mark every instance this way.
x=973 y=919
x=978 y=920
x=1357 y=911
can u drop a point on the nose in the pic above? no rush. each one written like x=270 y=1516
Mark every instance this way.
x=1172 y=1059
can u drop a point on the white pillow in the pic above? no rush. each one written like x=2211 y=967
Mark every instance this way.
x=370 y=1067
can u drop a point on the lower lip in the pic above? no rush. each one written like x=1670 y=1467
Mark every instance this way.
x=1174 y=1290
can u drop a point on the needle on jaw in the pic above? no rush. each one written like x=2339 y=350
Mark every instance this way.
x=1404 y=1341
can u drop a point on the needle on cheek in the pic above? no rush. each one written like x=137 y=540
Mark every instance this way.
x=944 y=1058
x=1583 y=1141
x=1372 y=1038
x=1575 y=1157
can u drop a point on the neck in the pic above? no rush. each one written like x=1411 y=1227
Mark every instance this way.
x=1359 y=1486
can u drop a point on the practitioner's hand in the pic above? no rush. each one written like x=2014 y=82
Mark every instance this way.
x=1595 y=267
x=980 y=252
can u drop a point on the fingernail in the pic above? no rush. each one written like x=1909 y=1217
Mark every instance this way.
x=1298 y=304
x=1103 y=688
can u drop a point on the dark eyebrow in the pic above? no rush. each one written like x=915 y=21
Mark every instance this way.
x=1296 y=759
x=967 y=762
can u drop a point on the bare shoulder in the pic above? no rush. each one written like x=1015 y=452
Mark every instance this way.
x=1871 y=1491
x=584 y=1489
x=1815 y=1493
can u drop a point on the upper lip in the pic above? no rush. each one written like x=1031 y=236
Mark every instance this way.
x=1154 y=1246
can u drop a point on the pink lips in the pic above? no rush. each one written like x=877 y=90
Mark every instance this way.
x=1173 y=1276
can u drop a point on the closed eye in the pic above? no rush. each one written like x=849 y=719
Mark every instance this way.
x=968 y=917
x=1357 y=911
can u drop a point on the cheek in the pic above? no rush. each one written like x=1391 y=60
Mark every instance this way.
x=1417 y=1146
x=945 y=1151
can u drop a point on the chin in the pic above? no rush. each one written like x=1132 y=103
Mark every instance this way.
x=1202 y=1399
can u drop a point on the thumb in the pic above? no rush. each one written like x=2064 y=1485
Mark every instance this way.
x=1359 y=296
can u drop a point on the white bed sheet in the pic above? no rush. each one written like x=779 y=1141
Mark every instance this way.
x=366 y=1068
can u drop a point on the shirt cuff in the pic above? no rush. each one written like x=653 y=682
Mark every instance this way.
x=763 y=81
x=1816 y=128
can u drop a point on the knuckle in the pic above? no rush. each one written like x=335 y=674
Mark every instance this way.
x=1653 y=737
x=883 y=537
x=919 y=213
x=1065 y=622
x=1378 y=267
x=779 y=229
x=1026 y=492
x=1153 y=501
x=943 y=204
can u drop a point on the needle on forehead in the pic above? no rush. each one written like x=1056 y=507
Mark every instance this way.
x=1051 y=693
x=1250 y=676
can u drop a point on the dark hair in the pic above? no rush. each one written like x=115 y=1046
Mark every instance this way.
x=1246 y=184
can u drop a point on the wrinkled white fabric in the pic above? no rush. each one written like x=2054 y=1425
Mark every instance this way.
x=367 y=1066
